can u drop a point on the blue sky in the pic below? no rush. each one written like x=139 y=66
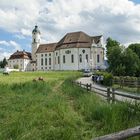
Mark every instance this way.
x=136 y=1
x=117 y=19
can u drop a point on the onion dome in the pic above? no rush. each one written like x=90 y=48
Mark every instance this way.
x=36 y=30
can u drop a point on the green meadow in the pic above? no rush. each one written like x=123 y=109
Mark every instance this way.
x=57 y=110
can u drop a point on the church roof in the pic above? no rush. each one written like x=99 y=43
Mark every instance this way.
x=78 y=40
x=46 y=48
x=70 y=40
x=21 y=55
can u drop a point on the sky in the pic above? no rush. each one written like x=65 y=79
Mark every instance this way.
x=118 y=19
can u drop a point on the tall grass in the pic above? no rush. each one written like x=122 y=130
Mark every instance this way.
x=56 y=109
x=102 y=118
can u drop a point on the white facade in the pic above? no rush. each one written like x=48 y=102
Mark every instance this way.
x=71 y=59
x=21 y=64
x=45 y=61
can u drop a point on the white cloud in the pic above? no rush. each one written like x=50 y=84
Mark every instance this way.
x=5 y=55
x=15 y=45
x=5 y=43
x=118 y=19
x=7 y=48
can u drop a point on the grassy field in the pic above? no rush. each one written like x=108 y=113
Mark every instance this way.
x=56 y=109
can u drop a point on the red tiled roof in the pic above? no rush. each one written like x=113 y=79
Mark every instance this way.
x=20 y=55
x=46 y=48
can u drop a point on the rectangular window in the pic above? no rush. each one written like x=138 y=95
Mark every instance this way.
x=72 y=58
x=41 y=55
x=98 y=58
x=58 y=59
x=64 y=60
x=45 y=61
x=45 y=54
x=49 y=61
x=87 y=57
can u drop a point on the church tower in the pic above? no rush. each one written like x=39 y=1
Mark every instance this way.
x=35 y=41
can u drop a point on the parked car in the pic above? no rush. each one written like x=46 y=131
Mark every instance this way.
x=87 y=73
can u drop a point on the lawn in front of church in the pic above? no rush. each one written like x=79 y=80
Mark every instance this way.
x=56 y=109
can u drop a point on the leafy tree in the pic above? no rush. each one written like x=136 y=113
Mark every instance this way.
x=3 y=63
x=110 y=43
x=114 y=58
x=131 y=62
x=123 y=62
x=135 y=48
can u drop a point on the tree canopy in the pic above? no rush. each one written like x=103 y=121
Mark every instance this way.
x=3 y=63
x=123 y=61
x=135 y=48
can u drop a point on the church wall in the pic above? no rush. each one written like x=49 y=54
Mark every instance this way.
x=69 y=54
x=98 y=52
x=48 y=61
x=84 y=55
x=68 y=64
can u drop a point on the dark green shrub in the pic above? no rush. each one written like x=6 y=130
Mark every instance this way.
x=108 y=78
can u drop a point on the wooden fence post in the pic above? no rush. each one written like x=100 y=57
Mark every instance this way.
x=108 y=95
x=80 y=84
x=90 y=86
x=87 y=86
x=113 y=95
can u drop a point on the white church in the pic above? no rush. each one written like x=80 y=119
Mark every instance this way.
x=75 y=51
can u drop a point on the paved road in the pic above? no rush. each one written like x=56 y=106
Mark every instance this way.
x=88 y=80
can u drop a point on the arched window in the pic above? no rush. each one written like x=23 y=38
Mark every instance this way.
x=87 y=57
x=98 y=58
x=72 y=58
x=80 y=58
x=58 y=59
x=64 y=60
x=45 y=61
x=49 y=61
x=42 y=61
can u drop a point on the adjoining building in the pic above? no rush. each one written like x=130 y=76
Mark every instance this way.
x=75 y=51
x=20 y=60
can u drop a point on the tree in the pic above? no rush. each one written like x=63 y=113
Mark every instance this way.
x=135 y=48
x=123 y=62
x=3 y=63
x=131 y=62
x=114 y=59
x=110 y=43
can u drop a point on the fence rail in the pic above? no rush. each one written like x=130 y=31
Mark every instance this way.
x=125 y=82
x=109 y=93
x=125 y=134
